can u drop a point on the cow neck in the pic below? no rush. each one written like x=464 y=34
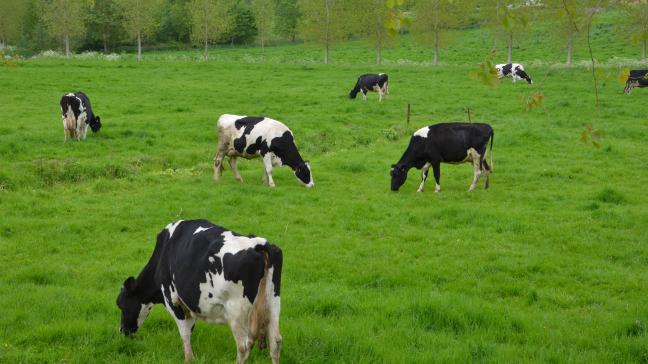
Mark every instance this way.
x=147 y=288
x=410 y=158
x=289 y=156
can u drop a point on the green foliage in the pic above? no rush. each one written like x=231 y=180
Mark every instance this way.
x=176 y=22
x=11 y=12
x=287 y=16
x=243 y=28
x=104 y=25
x=141 y=17
x=486 y=73
x=532 y=100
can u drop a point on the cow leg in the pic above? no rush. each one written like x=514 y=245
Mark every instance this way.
x=267 y=165
x=364 y=95
x=424 y=174
x=273 y=330
x=486 y=170
x=218 y=160
x=243 y=341
x=436 y=168
x=232 y=163
x=85 y=130
x=476 y=159
x=185 y=327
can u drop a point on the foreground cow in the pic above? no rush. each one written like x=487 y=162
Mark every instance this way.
x=77 y=115
x=202 y=271
x=514 y=70
x=253 y=137
x=447 y=143
x=371 y=82
x=637 y=78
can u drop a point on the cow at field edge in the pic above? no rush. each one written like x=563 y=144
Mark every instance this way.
x=253 y=137
x=77 y=116
x=199 y=270
x=514 y=70
x=637 y=78
x=445 y=143
x=371 y=82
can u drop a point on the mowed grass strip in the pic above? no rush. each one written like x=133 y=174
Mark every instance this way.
x=549 y=265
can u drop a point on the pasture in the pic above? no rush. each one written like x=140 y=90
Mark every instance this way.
x=548 y=265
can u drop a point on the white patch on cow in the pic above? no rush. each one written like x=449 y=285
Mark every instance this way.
x=201 y=229
x=144 y=311
x=267 y=129
x=172 y=226
x=233 y=244
x=423 y=132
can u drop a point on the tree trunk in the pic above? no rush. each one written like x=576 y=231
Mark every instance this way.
x=643 y=51
x=67 y=46
x=206 y=54
x=326 y=53
x=436 y=48
x=139 y=47
x=262 y=49
x=378 y=51
x=105 y=43
x=510 y=48
x=570 y=48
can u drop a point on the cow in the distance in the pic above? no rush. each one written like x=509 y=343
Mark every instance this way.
x=445 y=143
x=637 y=78
x=253 y=137
x=77 y=115
x=371 y=82
x=201 y=271
x=514 y=70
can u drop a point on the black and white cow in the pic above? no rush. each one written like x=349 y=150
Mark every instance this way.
x=253 y=137
x=445 y=143
x=199 y=270
x=77 y=116
x=637 y=78
x=371 y=82
x=514 y=70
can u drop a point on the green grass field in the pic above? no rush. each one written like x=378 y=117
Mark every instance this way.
x=549 y=265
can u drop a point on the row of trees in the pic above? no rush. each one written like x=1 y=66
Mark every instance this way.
x=92 y=24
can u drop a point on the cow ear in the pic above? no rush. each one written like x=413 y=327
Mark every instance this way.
x=129 y=284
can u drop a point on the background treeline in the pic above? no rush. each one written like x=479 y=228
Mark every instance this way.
x=125 y=25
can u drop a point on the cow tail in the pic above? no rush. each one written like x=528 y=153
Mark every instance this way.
x=260 y=314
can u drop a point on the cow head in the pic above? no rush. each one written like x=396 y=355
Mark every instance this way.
x=398 y=176
x=133 y=309
x=303 y=173
x=95 y=125
x=523 y=75
x=630 y=84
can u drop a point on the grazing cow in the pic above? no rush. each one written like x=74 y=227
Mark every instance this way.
x=637 y=78
x=371 y=82
x=199 y=270
x=514 y=70
x=77 y=115
x=252 y=137
x=448 y=143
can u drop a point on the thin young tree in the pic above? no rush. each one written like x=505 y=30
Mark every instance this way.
x=508 y=19
x=563 y=15
x=65 y=20
x=210 y=19
x=264 y=16
x=141 y=19
x=105 y=23
x=11 y=12
x=322 y=22
x=635 y=23
x=434 y=18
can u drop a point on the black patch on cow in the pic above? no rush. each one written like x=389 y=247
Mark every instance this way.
x=246 y=266
x=259 y=145
x=506 y=70
x=248 y=122
x=284 y=147
x=276 y=260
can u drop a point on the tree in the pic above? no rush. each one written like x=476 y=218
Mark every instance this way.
x=176 y=23
x=509 y=19
x=105 y=23
x=566 y=13
x=433 y=18
x=243 y=29
x=11 y=12
x=635 y=23
x=264 y=14
x=322 y=22
x=141 y=18
x=379 y=20
x=210 y=19
x=286 y=18
x=65 y=20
